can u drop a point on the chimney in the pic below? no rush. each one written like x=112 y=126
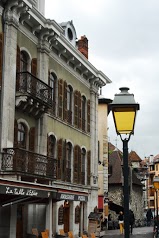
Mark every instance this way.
x=83 y=46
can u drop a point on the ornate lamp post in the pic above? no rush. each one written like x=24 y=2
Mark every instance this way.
x=124 y=110
x=156 y=187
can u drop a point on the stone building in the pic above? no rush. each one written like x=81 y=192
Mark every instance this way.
x=49 y=131
x=116 y=186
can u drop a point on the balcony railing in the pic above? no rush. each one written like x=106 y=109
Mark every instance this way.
x=27 y=83
x=20 y=161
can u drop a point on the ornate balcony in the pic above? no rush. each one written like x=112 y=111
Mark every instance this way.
x=28 y=164
x=33 y=96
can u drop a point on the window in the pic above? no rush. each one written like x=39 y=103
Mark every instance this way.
x=69 y=104
x=21 y=135
x=67 y=162
x=23 y=61
x=52 y=84
x=51 y=146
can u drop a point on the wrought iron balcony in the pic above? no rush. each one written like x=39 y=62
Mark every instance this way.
x=26 y=163
x=32 y=95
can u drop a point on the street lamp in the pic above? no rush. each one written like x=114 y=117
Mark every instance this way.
x=124 y=110
x=156 y=187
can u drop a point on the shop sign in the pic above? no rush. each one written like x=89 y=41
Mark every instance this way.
x=21 y=191
x=72 y=197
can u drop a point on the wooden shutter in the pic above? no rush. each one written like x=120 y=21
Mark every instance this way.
x=34 y=72
x=75 y=167
x=34 y=66
x=15 y=133
x=64 y=170
x=76 y=108
x=32 y=139
x=60 y=97
x=79 y=166
x=1 y=57
x=18 y=68
x=88 y=167
x=88 y=116
x=79 y=110
x=59 y=166
x=65 y=101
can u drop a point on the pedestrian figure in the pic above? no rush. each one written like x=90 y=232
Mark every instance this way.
x=149 y=217
x=121 y=222
x=131 y=220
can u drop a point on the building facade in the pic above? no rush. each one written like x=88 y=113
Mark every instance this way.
x=103 y=155
x=49 y=130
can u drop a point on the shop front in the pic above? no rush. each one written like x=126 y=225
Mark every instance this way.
x=23 y=206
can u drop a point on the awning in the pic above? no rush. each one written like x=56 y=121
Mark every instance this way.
x=115 y=207
x=100 y=202
x=12 y=192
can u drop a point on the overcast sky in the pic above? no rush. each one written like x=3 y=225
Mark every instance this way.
x=123 y=43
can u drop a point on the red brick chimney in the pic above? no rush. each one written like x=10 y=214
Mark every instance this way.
x=83 y=46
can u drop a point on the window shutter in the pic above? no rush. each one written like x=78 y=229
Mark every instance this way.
x=32 y=139
x=76 y=108
x=79 y=166
x=59 y=167
x=88 y=116
x=79 y=110
x=1 y=57
x=65 y=101
x=75 y=172
x=34 y=66
x=88 y=167
x=64 y=161
x=60 y=97
x=15 y=133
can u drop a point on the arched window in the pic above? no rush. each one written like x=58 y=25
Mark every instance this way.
x=83 y=166
x=69 y=104
x=23 y=61
x=67 y=167
x=22 y=135
x=83 y=113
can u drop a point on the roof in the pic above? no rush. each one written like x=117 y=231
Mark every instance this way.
x=156 y=158
x=133 y=157
x=115 y=162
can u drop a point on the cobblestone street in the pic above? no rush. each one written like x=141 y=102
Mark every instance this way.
x=141 y=232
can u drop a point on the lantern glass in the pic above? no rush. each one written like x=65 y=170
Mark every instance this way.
x=124 y=118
